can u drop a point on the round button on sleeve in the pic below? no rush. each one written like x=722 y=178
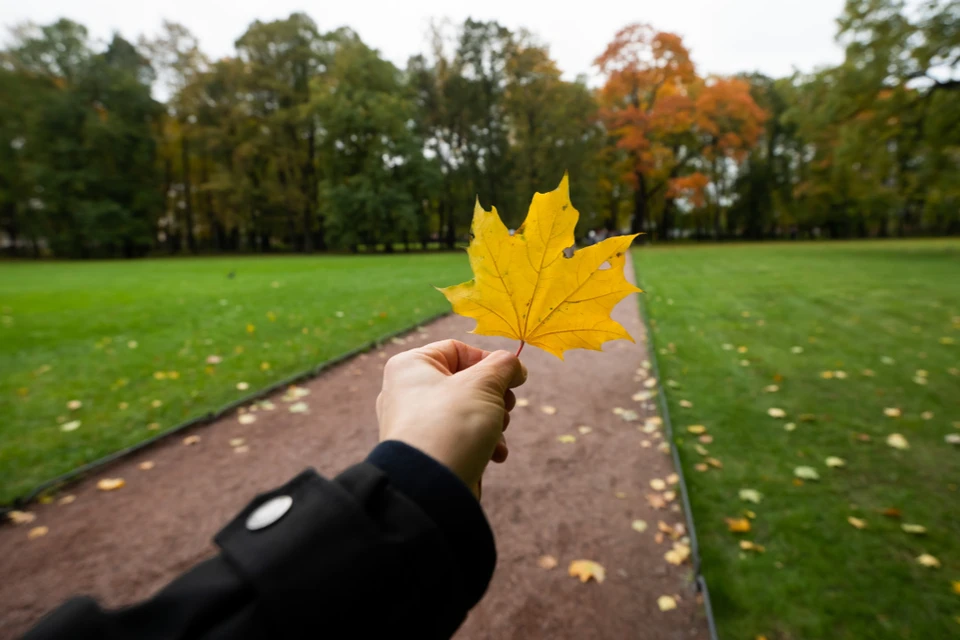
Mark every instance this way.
x=269 y=512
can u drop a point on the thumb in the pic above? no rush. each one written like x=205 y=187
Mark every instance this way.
x=500 y=370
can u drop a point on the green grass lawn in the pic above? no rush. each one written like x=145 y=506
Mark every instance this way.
x=892 y=308
x=104 y=332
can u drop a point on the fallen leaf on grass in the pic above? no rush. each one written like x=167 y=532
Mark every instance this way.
x=727 y=346
x=751 y=495
x=547 y=409
x=887 y=360
x=857 y=522
x=639 y=526
x=146 y=465
x=774 y=412
x=744 y=363
x=952 y=438
x=738 y=525
x=73 y=425
x=835 y=462
x=742 y=349
x=713 y=462
x=892 y=412
x=796 y=349
x=826 y=375
x=955 y=585
x=299 y=407
x=947 y=340
x=702 y=450
x=657 y=484
x=110 y=484
x=807 y=473
x=915 y=529
x=771 y=388
x=927 y=415
x=747 y=545
x=696 y=429
x=242 y=386
x=546 y=562
x=38 y=532
x=522 y=402
x=927 y=560
x=666 y=603
x=21 y=517
x=705 y=438
x=789 y=426
x=566 y=439
x=73 y=405
x=686 y=404
x=587 y=569
x=892 y=512
x=701 y=467
x=897 y=441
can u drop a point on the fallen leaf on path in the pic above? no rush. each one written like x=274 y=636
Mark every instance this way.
x=774 y=412
x=650 y=383
x=587 y=569
x=506 y=298
x=927 y=560
x=678 y=554
x=892 y=412
x=619 y=495
x=546 y=562
x=641 y=396
x=696 y=429
x=584 y=429
x=738 y=525
x=645 y=444
x=807 y=473
x=38 y=532
x=73 y=425
x=657 y=484
x=299 y=407
x=547 y=409
x=567 y=439
x=639 y=525
x=673 y=478
x=897 y=441
x=241 y=449
x=656 y=501
x=65 y=500
x=857 y=522
x=835 y=462
x=523 y=402
x=146 y=465
x=664 y=447
x=110 y=484
x=247 y=418
x=916 y=529
x=629 y=415
x=666 y=603
x=751 y=495
x=21 y=517
x=294 y=392
x=237 y=442
x=669 y=496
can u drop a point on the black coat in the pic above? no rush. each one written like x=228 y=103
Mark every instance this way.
x=396 y=547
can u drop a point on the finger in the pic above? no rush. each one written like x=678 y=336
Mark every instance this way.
x=453 y=355
x=501 y=451
x=506 y=420
x=500 y=370
x=509 y=400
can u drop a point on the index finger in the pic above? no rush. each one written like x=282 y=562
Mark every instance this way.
x=453 y=354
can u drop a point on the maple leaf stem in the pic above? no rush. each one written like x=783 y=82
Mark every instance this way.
x=520 y=349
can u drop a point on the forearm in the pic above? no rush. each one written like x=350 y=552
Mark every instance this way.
x=395 y=545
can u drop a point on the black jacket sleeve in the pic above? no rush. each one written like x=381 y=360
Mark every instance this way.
x=396 y=546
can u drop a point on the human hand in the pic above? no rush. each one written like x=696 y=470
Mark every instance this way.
x=451 y=401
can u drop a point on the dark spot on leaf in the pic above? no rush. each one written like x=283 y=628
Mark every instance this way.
x=619 y=254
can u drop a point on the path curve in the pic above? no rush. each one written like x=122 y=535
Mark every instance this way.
x=570 y=501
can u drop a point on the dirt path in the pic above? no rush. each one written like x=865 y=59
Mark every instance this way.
x=570 y=501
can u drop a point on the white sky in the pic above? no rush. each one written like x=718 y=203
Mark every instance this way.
x=724 y=36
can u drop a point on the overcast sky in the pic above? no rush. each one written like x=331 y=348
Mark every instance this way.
x=772 y=36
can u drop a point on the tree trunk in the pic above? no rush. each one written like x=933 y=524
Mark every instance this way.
x=639 y=222
x=310 y=192
x=187 y=192
x=664 y=235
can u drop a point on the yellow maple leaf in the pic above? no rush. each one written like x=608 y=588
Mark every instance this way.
x=525 y=288
x=586 y=569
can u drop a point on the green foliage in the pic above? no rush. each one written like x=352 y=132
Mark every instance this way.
x=880 y=307
x=67 y=332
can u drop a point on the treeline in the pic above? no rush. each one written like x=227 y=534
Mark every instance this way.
x=305 y=140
